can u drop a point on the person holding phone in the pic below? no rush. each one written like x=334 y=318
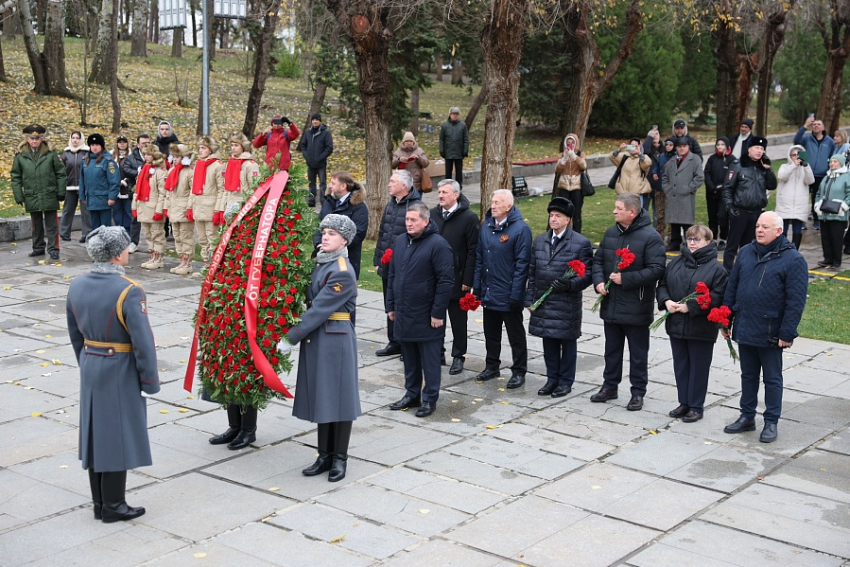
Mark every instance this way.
x=819 y=148
x=412 y=158
x=634 y=170
x=792 y=193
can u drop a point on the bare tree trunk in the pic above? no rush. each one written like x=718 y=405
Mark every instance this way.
x=139 y=44
x=837 y=42
x=38 y=73
x=476 y=106
x=107 y=44
x=113 y=92
x=177 y=42
x=40 y=14
x=501 y=43
x=588 y=77
x=772 y=38
x=439 y=64
x=209 y=34
x=262 y=51
x=414 y=109
x=193 y=10
x=153 y=26
x=2 y=63
x=54 y=49
x=457 y=71
x=734 y=70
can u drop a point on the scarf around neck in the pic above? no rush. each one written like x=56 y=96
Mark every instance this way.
x=323 y=257
x=173 y=177
x=107 y=268
x=200 y=177
x=143 y=187
x=232 y=180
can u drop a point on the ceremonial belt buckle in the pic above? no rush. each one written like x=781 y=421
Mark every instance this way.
x=101 y=348
x=340 y=316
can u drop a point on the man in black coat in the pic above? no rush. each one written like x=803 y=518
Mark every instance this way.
x=421 y=276
x=345 y=197
x=459 y=226
x=130 y=169
x=767 y=294
x=317 y=145
x=745 y=196
x=402 y=196
x=628 y=306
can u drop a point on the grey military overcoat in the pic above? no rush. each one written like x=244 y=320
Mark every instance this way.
x=327 y=388
x=113 y=418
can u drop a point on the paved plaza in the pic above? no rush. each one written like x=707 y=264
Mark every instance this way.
x=494 y=478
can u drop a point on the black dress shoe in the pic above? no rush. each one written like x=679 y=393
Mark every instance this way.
x=741 y=425
x=35 y=253
x=120 y=512
x=679 y=411
x=635 y=404
x=406 y=402
x=322 y=464
x=487 y=374
x=427 y=409
x=561 y=391
x=443 y=360
x=547 y=388
x=242 y=440
x=692 y=416
x=225 y=437
x=457 y=365
x=340 y=462
x=391 y=349
x=66 y=238
x=768 y=434
x=54 y=255
x=83 y=240
x=603 y=395
x=516 y=381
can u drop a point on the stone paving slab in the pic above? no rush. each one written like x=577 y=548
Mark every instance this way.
x=441 y=553
x=818 y=473
x=476 y=473
x=212 y=553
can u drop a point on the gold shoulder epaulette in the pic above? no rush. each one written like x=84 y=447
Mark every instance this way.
x=129 y=280
x=343 y=265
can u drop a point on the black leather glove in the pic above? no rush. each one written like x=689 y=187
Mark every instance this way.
x=285 y=120
x=516 y=305
x=735 y=212
x=561 y=284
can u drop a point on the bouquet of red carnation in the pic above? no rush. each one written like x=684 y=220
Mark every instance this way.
x=575 y=268
x=720 y=315
x=626 y=259
x=253 y=293
x=702 y=295
x=387 y=257
x=469 y=302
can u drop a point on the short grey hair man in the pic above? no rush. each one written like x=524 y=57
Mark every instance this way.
x=404 y=177
x=507 y=194
x=454 y=184
x=631 y=201
x=778 y=221
x=420 y=208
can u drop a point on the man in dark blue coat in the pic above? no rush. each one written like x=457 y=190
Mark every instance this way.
x=629 y=301
x=421 y=276
x=557 y=320
x=501 y=272
x=767 y=295
x=402 y=196
x=459 y=226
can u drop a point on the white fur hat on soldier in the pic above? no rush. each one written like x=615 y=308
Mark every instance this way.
x=240 y=138
x=209 y=142
x=106 y=242
x=342 y=224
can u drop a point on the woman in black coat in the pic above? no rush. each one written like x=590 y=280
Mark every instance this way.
x=558 y=319
x=692 y=336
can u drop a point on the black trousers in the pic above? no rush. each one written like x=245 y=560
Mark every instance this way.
x=135 y=232
x=691 y=367
x=718 y=220
x=390 y=324
x=577 y=199
x=458 y=318
x=560 y=358
x=832 y=240
x=457 y=165
x=677 y=234
x=616 y=336
x=767 y=362
x=742 y=230
x=813 y=191
x=422 y=360
x=512 y=320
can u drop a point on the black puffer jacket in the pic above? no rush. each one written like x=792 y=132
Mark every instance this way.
x=130 y=167
x=747 y=184
x=631 y=303
x=716 y=171
x=559 y=316
x=680 y=280
x=392 y=224
x=461 y=232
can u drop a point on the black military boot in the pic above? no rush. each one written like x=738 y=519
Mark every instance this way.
x=325 y=447
x=115 y=507
x=96 y=498
x=342 y=435
x=248 y=429
x=234 y=420
x=797 y=239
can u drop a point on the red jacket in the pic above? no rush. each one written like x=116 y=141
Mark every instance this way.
x=278 y=142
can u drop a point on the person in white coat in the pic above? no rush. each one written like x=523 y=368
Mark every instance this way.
x=792 y=193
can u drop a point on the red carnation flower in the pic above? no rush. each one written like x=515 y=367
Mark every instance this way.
x=387 y=257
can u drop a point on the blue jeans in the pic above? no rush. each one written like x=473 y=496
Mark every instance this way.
x=101 y=218
x=122 y=214
x=767 y=362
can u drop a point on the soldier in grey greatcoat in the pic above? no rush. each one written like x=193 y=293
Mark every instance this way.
x=114 y=346
x=327 y=390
